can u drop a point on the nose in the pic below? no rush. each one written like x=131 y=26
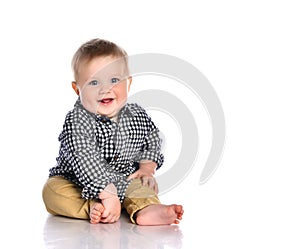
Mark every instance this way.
x=105 y=88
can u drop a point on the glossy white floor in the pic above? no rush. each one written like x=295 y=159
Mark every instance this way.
x=228 y=212
x=67 y=233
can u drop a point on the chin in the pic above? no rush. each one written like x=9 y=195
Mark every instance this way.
x=107 y=114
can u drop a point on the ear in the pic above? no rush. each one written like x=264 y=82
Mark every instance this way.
x=75 y=88
x=129 y=81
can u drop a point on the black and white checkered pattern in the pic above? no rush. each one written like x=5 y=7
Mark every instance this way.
x=95 y=151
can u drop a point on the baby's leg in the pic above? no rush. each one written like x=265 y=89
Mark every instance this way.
x=159 y=214
x=144 y=207
x=62 y=197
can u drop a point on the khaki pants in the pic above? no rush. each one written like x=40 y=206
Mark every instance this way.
x=62 y=197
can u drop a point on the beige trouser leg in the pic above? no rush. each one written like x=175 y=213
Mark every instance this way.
x=62 y=197
x=138 y=197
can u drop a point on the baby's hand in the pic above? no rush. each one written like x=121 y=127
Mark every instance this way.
x=145 y=173
x=111 y=203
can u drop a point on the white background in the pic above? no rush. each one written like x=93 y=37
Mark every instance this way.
x=249 y=51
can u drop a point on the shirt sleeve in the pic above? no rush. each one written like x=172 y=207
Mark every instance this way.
x=90 y=168
x=151 y=147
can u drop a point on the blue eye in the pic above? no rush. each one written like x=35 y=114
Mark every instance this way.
x=115 y=80
x=94 y=83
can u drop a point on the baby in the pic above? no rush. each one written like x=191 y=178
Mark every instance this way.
x=109 y=149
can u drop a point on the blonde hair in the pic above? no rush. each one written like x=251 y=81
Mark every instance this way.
x=95 y=48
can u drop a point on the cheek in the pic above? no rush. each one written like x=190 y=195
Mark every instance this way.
x=88 y=99
x=122 y=90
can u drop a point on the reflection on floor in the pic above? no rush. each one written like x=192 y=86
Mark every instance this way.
x=62 y=233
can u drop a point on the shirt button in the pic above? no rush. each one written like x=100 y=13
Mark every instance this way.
x=104 y=119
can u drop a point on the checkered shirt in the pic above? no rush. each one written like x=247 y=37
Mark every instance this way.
x=95 y=151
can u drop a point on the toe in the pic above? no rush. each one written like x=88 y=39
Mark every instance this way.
x=99 y=207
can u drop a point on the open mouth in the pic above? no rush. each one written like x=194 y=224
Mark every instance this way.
x=106 y=100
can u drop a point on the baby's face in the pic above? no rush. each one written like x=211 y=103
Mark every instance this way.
x=103 y=85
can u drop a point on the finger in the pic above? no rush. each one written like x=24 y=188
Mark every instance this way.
x=151 y=183
x=132 y=176
x=156 y=188
x=144 y=181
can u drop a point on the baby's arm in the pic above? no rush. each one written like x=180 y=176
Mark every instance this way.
x=111 y=203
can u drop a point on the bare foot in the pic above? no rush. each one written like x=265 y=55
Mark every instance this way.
x=96 y=213
x=159 y=214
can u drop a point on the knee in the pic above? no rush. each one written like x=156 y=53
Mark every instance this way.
x=49 y=194
x=55 y=190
